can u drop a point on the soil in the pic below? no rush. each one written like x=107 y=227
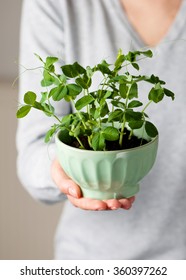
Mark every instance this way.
x=114 y=145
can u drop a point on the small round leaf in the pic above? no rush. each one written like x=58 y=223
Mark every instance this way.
x=151 y=129
x=30 y=98
x=111 y=133
x=23 y=111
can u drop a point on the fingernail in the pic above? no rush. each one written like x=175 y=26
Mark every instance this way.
x=72 y=192
x=114 y=208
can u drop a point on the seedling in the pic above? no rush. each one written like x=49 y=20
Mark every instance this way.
x=104 y=118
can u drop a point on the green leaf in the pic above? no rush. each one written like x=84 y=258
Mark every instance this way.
x=104 y=110
x=104 y=67
x=69 y=71
x=50 y=134
x=133 y=115
x=66 y=120
x=50 y=60
x=98 y=142
x=131 y=56
x=73 y=89
x=117 y=115
x=97 y=113
x=134 y=104
x=151 y=129
x=84 y=101
x=30 y=97
x=48 y=77
x=111 y=133
x=44 y=97
x=80 y=69
x=108 y=94
x=38 y=106
x=123 y=90
x=23 y=111
x=135 y=124
x=84 y=81
x=58 y=93
x=47 y=109
x=77 y=130
x=89 y=72
x=133 y=92
x=102 y=100
x=156 y=94
x=68 y=98
x=118 y=104
x=147 y=53
x=136 y=66
x=154 y=80
x=73 y=70
x=169 y=93
x=92 y=112
x=45 y=83
x=62 y=78
x=119 y=78
x=119 y=61
x=75 y=122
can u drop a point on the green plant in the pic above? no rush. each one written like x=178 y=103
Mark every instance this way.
x=115 y=102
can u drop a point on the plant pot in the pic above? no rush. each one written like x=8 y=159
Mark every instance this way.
x=106 y=174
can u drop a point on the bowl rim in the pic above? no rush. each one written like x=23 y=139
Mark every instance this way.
x=57 y=140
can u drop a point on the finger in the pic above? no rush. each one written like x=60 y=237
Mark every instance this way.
x=64 y=183
x=113 y=204
x=132 y=199
x=126 y=203
x=87 y=203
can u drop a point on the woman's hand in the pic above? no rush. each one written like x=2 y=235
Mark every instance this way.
x=73 y=192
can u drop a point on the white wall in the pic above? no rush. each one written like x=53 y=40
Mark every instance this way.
x=9 y=37
x=26 y=226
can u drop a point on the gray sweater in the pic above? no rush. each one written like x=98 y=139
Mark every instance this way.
x=87 y=31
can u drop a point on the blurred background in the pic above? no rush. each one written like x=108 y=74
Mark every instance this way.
x=27 y=227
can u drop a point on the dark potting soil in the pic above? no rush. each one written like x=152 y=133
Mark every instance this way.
x=114 y=145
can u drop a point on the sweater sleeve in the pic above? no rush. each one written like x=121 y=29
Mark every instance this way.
x=41 y=32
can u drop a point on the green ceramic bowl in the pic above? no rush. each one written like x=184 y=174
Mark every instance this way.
x=107 y=174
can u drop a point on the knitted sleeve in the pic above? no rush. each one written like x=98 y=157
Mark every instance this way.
x=41 y=32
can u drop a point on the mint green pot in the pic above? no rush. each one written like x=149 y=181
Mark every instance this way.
x=107 y=174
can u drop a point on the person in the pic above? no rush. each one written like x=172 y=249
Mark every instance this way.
x=88 y=31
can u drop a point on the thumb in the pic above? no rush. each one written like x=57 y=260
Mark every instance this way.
x=63 y=182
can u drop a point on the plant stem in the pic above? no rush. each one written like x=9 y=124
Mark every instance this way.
x=53 y=74
x=81 y=144
x=146 y=106
x=79 y=114
x=122 y=133
x=88 y=107
x=124 y=119
x=89 y=141
x=142 y=136
x=56 y=118
x=130 y=135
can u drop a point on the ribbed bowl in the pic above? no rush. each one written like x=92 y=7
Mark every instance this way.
x=107 y=174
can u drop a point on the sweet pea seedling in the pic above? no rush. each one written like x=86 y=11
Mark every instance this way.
x=115 y=102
